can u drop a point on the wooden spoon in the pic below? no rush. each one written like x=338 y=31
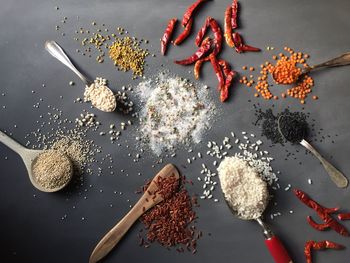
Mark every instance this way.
x=29 y=158
x=119 y=230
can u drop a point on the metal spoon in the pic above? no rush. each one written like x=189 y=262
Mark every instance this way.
x=272 y=242
x=56 y=51
x=29 y=157
x=336 y=176
x=341 y=60
x=146 y=202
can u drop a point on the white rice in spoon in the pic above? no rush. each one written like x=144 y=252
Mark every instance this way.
x=243 y=188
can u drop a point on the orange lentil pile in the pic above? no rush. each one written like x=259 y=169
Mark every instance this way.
x=171 y=223
x=285 y=72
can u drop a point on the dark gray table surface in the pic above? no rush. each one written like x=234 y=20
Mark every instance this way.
x=31 y=226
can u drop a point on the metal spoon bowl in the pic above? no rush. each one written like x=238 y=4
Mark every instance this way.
x=29 y=157
x=336 y=176
x=341 y=60
x=56 y=51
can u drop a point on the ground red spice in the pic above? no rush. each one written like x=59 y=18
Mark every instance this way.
x=171 y=223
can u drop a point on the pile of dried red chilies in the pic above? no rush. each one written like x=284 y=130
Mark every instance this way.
x=313 y=245
x=208 y=48
x=235 y=40
x=328 y=223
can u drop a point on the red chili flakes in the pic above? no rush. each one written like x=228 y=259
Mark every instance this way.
x=172 y=222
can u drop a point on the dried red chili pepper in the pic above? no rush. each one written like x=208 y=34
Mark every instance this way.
x=317 y=226
x=202 y=31
x=225 y=66
x=217 y=35
x=323 y=213
x=188 y=14
x=237 y=40
x=225 y=90
x=201 y=52
x=247 y=48
x=309 y=245
x=228 y=27
x=344 y=216
x=240 y=46
x=167 y=35
x=234 y=14
x=184 y=33
x=217 y=70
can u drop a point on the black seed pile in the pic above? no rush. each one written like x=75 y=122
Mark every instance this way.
x=293 y=127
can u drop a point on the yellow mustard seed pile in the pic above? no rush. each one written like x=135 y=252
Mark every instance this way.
x=127 y=54
x=125 y=51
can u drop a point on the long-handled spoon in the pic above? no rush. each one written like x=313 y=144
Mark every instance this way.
x=56 y=51
x=147 y=201
x=29 y=157
x=336 y=176
x=272 y=242
x=341 y=60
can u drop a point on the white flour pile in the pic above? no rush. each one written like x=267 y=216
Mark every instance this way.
x=100 y=95
x=174 y=112
x=243 y=188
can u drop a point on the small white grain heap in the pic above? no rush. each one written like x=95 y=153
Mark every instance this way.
x=100 y=95
x=243 y=188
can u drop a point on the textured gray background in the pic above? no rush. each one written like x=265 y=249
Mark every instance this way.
x=31 y=225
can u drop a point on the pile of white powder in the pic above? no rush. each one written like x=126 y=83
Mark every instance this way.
x=243 y=188
x=100 y=95
x=174 y=111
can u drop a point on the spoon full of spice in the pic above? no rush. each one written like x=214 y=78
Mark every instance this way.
x=156 y=192
x=247 y=196
x=48 y=171
x=101 y=97
x=295 y=130
x=292 y=74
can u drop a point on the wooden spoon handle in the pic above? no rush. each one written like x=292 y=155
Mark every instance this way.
x=342 y=60
x=11 y=143
x=116 y=233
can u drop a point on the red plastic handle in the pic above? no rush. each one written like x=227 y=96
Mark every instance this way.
x=277 y=250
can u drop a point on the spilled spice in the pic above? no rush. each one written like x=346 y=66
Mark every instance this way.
x=127 y=54
x=171 y=223
x=52 y=169
x=286 y=71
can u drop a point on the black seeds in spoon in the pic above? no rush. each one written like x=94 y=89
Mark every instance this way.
x=293 y=126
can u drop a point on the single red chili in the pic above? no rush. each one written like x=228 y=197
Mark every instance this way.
x=202 y=31
x=228 y=27
x=247 y=48
x=201 y=52
x=323 y=213
x=184 y=33
x=188 y=14
x=225 y=66
x=240 y=46
x=344 y=216
x=307 y=251
x=217 y=70
x=167 y=35
x=234 y=14
x=317 y=226
x=198 y=66
x=237 y=40
x=225 y=90
x=326 y=244
x=217 y=35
